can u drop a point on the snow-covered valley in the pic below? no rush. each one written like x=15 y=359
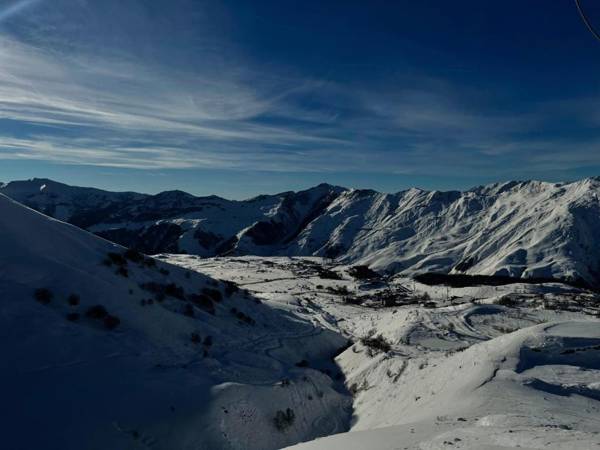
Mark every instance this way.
x=104 y=347
x=472 y=368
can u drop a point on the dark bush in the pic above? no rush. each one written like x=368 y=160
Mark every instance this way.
x=327 y=274
x=73 y=316
x=153 y=287
x=122 y=271
x=203 y=301
x=116 y=258
x=378 y=343
x=338 y=290
x=164 y=271
x=96 y=312
x=195 y=338
x=303 y=363
x=188 y=310
x=213 y=294
x=230 y=288
x=162 y=290
x=388 y=300
x=73 y=299
x=208 y=341
x=43 y=295
x=242 y=317
x=352 y=300
x=508 y=301
x=249 y=320
x=133 y=256
x=284 y=419
x=149 y=262
x=111 y=322
x=363 y=273
x=424 y=297
x=172 y=290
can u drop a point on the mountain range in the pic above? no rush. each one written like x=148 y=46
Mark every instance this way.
x=519 y=229
x=105 y=347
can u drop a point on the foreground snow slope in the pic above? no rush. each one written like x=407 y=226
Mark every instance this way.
x=521 y=229
x=481 y=367
x=534 y=388
x=171 y=360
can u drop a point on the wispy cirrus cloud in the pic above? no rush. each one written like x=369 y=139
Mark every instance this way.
x=15 y=8
x=78 y=87
x=196 y=120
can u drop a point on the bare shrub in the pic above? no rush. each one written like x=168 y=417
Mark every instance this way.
x=284 y=419
x=73 y=300
x=376 y=344
x=43 y=295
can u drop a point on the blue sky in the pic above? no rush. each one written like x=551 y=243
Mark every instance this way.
x=238 y=98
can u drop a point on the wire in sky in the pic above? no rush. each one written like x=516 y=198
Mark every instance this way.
x=586 y=21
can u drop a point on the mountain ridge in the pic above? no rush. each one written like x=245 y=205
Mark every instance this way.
x=34 y=182
x=517 y=228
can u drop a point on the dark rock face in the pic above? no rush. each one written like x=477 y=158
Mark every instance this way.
x=464 y=265
x=207 y=239
x=267 y=233
x=161 y=238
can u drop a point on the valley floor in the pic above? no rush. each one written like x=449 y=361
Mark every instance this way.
x=426 y=367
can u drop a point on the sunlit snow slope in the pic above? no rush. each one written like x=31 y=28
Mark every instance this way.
x=536 y=388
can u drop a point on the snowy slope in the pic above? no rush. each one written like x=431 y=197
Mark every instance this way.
x=154 y=367
x=520 y=229
x=535 y=388
x=462 y=371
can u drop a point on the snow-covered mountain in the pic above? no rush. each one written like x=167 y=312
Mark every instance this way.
x=104 y=347
x=519 y=229
x=175 y=221
x=107 y=348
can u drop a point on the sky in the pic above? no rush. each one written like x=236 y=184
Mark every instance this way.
x=240 y=97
